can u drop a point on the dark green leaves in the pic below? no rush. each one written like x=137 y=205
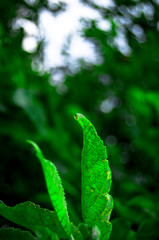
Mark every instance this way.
x=97 y=204
x=55 y=189
x=148 y=229
x=15 y=234
x=121 y=229
x=42 y=222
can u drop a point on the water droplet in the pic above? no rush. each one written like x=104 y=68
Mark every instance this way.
x=111 y=141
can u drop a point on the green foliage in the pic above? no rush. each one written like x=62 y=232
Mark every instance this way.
x=55 y=189
x=120 y=93
x=14 y=234
x=122 y=232
x=46 y=224
x=97 y=204
x=42 y=222
x=147 y=230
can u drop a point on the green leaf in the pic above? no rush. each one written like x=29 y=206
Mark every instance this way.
x=55 y=189
x=15 y=234
x=97 y=204
x=42 y=222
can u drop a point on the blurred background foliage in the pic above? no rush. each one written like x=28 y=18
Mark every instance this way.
x=120 y=95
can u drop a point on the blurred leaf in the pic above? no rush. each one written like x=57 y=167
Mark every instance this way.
x=131 y=235
x=148 y=230
x=136 y=209
x=120 y=228
x=142 y=203
x=15 y=234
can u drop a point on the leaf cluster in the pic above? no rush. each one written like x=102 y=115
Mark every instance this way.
x=56 y=225
x=120 y=94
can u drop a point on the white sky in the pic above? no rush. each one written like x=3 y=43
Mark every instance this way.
x=66 y=27
x=56 y=30
x=67 y=24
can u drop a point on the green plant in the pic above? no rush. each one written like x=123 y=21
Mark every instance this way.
x=97 y=204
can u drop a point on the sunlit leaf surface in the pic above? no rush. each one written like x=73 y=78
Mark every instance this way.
x=55 y=189
x=97 y=204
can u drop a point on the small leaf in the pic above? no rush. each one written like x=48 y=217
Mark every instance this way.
x=39 y=220
x=15 y=234
x=76 y=233
x=55 y=189
x=97 y=204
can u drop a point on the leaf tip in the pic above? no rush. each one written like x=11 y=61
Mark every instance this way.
x=29 y=141
x=77 y=116
x=82 y=120
x=36 y=148
x=33 y=144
